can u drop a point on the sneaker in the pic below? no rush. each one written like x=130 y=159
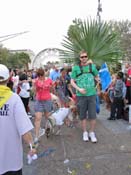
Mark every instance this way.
x=85 y=136
x=41 y=132
x=92 y=137
x=111 y=118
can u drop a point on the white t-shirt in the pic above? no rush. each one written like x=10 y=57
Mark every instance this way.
x=14 y=123
x=15 y=82
x=60 y=115
x=24 y=90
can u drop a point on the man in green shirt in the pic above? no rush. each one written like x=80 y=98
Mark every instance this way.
x=83 y=78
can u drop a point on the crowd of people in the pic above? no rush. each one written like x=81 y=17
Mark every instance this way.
x=74 y=90
x=117 y=95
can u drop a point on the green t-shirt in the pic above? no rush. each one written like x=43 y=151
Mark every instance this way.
x=85 y=80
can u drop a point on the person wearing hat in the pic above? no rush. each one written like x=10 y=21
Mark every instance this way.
x=14 y=126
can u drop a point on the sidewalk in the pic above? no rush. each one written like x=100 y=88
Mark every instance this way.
x=110 y=156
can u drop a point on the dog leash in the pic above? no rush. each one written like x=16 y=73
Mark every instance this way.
x=46 y=152
x=36 y=156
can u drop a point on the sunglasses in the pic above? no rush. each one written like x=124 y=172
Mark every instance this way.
x=40 y=75
x=83 y=56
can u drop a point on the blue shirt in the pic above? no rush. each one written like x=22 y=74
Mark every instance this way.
x=54 y=75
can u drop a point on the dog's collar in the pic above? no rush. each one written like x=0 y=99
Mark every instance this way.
x=52 y=121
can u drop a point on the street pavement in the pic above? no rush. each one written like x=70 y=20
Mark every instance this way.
x=67 y=154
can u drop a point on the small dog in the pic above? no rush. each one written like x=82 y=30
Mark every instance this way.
x=56 y=102
x=58 y=118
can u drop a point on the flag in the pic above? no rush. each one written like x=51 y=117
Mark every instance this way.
x=105 y=76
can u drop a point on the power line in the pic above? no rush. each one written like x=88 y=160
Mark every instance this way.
x=7 y=37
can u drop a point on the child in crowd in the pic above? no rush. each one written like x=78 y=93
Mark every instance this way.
x=119 y=94
x=24 y=91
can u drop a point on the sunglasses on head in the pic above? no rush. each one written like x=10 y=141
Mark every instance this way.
x=84 y=56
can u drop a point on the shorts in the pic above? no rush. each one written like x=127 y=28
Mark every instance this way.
x=43 y=106
x=86 y=107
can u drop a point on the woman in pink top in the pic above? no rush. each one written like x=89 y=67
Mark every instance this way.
x=42 y=86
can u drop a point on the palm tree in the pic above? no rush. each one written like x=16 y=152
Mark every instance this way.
x=96 y=38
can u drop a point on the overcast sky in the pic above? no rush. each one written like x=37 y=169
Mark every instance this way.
x=48 y=20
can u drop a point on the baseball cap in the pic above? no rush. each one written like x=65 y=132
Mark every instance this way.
x=4 y=72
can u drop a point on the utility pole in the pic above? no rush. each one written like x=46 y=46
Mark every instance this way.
x=99 y=10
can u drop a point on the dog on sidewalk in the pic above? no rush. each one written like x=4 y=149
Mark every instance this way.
x=60 y=116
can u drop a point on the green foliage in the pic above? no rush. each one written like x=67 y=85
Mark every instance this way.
x=4 y=54
x=24 y=59
x=123 y=28
x=114 y=68
x=96 y=38
x=14 y=60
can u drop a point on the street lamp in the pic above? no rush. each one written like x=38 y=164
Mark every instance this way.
x=99 y=10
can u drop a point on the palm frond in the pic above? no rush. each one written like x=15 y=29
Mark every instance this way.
x=96 y=38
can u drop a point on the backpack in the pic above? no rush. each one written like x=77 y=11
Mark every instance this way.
x=90 y=71
x=81 y=69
